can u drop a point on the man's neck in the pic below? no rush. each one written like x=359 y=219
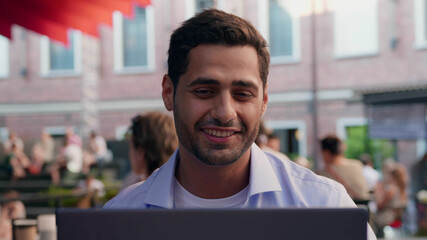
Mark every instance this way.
x=212 y=182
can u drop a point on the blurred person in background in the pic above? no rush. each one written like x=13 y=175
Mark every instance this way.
x=42 y=153
x=152 y=140
x=371 y=175
x=69 y=159
x=17 y=163
x=348 y=172
x=9 y=211
x=262 y=142
x=273 y=142
x=98 y=148
x=92 y=188
x=390 y=196
x=419 y=190
x=13 y=139
x=419 y=175
x=72 y=137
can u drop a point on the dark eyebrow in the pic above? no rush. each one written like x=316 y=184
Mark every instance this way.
x=209 y=81
x=203 y=81
x=247 y=84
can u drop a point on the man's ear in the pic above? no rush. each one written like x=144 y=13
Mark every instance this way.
x=264 y=100
x=167 y=92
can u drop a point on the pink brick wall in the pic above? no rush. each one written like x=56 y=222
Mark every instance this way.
x=401 y=65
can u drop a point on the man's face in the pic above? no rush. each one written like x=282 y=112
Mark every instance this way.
x=219 y=103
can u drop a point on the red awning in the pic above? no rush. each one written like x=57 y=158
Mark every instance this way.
x=53 y=18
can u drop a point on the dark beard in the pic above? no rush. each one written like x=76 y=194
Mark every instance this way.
x=212 y=154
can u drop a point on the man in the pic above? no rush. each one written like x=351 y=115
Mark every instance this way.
x=345 y=171
x=216 y=87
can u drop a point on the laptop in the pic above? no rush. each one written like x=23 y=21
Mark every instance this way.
x=207 y=224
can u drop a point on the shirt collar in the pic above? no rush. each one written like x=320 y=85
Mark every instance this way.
x=160 y=193
x=262 y=179
x=262 y=175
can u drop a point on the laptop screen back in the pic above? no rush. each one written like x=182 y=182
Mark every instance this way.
x=248 y=224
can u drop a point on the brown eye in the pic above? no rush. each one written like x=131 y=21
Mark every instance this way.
x=243 y=95
x=203 y=92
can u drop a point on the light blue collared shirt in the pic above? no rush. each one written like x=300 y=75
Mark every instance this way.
x=273 y=183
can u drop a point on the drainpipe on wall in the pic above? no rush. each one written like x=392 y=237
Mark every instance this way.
x=89 y=84
x=314 y=86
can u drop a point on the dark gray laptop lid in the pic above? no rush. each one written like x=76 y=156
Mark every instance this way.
x=248 y=224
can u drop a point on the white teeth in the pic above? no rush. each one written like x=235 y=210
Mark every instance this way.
x=219 y=133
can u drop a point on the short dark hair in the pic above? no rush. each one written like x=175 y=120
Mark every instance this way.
x=215 y=27
x=155 y=133
x=332 y=144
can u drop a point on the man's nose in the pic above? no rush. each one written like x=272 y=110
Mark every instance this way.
x=224 y=109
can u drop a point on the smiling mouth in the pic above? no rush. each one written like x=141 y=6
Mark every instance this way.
x=217 y=133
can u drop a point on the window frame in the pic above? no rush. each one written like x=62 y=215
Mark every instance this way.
x=45 y=70
x=263 y=27
x=118 y=51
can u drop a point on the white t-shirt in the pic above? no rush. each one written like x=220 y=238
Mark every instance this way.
x=184 y=199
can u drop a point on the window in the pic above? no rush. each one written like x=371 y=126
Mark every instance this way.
x=292 y=136
x=354 y=133
x=355 y=27
x=4 y=57
x=134 y=41
x=420 y=23
x=279 y=24
x=195 y=6
x=358 y=142
x=58 y=59
x=203 y=4
x=4 y=134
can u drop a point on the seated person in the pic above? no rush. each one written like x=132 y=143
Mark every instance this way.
x=9 y=211
x=152 y=140
x=17 y=163
x=70 y=158
x=346 y=171
x=390 y=197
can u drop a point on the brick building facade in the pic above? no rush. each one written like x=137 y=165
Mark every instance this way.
x=317 y=82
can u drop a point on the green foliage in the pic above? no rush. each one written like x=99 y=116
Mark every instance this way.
x=358 y=142
x=293 y=156
x=55 y=191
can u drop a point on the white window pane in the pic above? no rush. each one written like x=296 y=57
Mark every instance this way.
x=62 y=57
x=425 y=20
x=355 y=27
x=135 y=39
x=280 y=28
x=4 y=56
x=203 y=4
